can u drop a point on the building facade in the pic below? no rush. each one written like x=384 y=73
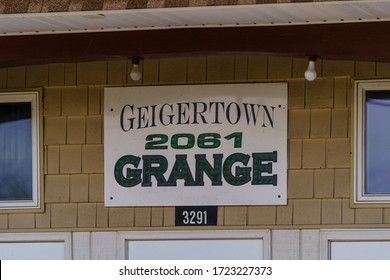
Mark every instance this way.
x=321 y=207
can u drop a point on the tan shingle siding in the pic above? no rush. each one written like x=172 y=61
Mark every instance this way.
x=319 y=142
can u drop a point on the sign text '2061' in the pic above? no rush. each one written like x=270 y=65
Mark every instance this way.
x=182 y=141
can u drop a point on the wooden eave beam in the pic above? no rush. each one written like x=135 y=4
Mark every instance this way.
x=348 y=41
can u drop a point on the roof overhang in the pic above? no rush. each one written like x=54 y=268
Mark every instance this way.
x=355 y=30
x=195 y=17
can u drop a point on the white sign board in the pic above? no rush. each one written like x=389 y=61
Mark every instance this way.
x=196 y=145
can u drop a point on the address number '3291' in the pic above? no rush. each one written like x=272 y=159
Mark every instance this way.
x=196 y=215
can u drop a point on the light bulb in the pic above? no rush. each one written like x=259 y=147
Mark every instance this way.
x=135 y=73
x=310 y=73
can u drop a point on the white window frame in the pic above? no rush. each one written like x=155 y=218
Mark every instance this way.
x=360 y=197
x=63 y=237
x=349 y=235
x=124 y=237
x=33 y=98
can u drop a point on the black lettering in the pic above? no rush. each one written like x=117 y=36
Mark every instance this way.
x=237 y=113
x=269 y=117
x=142 y=117
x=216 y=111
x=182 y=112
x=122 y=118
x=170 y=117
x=200 y=113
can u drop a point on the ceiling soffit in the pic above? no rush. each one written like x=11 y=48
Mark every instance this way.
x=193 y=17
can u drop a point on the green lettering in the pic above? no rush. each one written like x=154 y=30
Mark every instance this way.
x=260 y=167
x=154 y=165
x=203 y=166
x=181 y=170
x=133 y=176
x=242 y=174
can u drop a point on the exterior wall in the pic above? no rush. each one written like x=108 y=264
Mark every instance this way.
x=319 y=143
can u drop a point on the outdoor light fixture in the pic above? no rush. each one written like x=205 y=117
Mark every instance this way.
x=135 y=73
x=310 y=73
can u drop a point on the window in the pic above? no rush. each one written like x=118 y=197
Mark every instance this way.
x=372 y=142
x=19 y=151
x=195 y=245
x=367 y=244
x=360 y=250
x=35 y=246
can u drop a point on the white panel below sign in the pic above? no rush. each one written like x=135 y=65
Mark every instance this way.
x=196 y=145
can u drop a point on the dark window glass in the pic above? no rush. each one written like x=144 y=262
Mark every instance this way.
x=377 y=143
x=15 y=151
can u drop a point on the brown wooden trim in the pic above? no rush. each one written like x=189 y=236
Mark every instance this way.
x=349 y=41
